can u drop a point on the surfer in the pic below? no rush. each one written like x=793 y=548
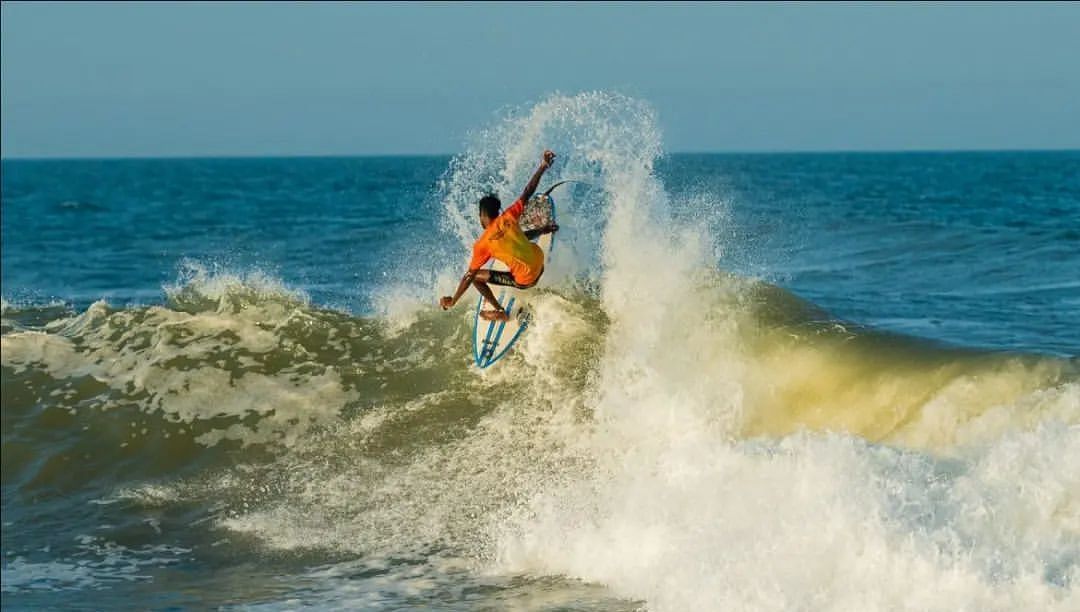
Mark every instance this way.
x=504 y=240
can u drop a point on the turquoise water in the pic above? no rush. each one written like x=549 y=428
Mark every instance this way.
x=226 y=383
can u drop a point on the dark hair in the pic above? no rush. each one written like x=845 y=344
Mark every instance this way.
x=490 y=205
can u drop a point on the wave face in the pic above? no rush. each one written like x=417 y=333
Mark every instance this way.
x=668 y=434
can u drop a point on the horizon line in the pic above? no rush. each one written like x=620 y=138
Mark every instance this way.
x=242 y=156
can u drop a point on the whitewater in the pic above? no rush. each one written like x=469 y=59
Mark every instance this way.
x=670 y=434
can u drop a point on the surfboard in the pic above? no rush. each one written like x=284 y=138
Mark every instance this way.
x=493 y=339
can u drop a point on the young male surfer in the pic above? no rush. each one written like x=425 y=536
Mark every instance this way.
x=504 y=240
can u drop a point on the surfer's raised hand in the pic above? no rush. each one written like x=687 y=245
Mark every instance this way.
x=545 y=163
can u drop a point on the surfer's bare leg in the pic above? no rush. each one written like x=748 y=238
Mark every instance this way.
x=480 y=282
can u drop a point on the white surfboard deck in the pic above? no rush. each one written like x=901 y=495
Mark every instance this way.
x=493 y=339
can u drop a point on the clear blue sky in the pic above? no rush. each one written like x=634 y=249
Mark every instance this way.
x=103 y=80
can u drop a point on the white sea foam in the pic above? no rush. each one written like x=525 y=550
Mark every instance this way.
x=211 y=282
x=814 y=522
x=96 y=564
x=399 y=305
x=137 y=352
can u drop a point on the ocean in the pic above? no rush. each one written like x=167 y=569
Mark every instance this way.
x=834 y=381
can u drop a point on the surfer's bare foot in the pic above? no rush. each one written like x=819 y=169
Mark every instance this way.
x=494 y=315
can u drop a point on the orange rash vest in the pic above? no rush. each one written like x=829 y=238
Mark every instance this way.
x=504 y=240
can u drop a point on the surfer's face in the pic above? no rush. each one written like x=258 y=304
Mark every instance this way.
x=484 y=220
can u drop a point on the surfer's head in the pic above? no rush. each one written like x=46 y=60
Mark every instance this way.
x=489 y=209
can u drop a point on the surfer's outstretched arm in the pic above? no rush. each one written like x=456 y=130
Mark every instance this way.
x=448 y=302
x=480 y=279
x=534 y=182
